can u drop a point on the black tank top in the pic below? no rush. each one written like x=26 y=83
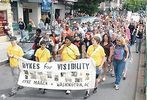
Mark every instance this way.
x=140 y=34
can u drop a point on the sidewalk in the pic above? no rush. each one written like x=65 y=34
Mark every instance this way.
x=140 y=92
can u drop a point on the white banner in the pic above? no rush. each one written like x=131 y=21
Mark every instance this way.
x=74 y=75
x=129 y=13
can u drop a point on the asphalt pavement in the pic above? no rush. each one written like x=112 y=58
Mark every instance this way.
x=105 y=91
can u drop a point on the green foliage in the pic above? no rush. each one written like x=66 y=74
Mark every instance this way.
x=135 y=5
x=87 y=6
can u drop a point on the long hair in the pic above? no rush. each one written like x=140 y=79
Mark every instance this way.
x=88 y=33
x=109 y=39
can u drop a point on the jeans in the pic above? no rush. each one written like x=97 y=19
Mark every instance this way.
x=15 y=74
x=138 y=44
x=132 y=39
x=21 y=33
x=119 y=66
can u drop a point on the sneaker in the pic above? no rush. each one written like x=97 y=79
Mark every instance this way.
x=112 y=75
x=124 y=78
x=11 y=94
x=20 y=87
x=43 y=92
x=67 y=92
x=95 y=90
x=86 y=95
x=104 y=78
x=116 y=87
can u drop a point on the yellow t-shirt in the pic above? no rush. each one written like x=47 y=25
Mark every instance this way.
x=43 y=55
x=70 y=53
x=15 y=51
x=90 y=50
x=97 y=53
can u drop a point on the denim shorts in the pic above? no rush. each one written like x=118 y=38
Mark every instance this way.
x=98 y=72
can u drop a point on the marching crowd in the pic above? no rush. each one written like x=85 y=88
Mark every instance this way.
x=107 y=41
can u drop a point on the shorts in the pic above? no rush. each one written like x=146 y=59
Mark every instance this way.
x=98 y=72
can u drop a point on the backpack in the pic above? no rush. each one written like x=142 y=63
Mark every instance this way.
x=119 y=53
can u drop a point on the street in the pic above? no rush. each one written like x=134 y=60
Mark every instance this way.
x=105 y=90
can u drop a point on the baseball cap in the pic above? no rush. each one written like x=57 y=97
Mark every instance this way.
x=69 y=38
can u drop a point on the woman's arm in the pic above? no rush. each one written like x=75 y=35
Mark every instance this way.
x=61 y=48
x=127 y=52
x=83 y=51
x=36 y=59
x=111 y=53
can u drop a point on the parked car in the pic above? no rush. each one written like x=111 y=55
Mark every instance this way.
x=29 y=54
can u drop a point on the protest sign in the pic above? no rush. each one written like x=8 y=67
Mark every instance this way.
x=129 y=13
x=135 y=17
x=73 y=75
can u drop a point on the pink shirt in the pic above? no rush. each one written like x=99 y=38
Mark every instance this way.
x=128 y=34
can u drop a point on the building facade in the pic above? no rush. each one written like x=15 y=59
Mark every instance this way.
x=5 y=17
x=26 y=9
x=57 y=8
x=53 y=9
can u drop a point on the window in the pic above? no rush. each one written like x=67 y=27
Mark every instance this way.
x=3 y=21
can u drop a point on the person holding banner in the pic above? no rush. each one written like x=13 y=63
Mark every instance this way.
x=14 y=51
x=69 y=52
x=97 y=53
x=42 y=55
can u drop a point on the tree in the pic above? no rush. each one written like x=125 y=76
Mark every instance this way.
x=87 y=6
x=135 y=5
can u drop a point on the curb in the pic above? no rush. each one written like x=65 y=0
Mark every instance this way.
x=3 y=62
x=139 y=91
